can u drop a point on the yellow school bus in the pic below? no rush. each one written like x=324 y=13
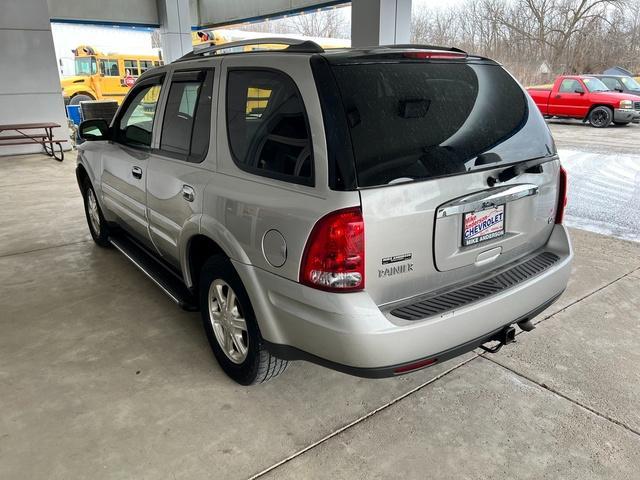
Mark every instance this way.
x=102 y=76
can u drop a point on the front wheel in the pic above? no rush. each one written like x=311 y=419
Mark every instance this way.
x=231 y=326
x=97 y=225
x=75 y=100
x=601 y=117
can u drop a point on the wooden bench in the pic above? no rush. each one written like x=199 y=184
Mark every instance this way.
x=26 y=137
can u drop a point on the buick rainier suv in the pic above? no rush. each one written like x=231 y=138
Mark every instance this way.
x=372 y=210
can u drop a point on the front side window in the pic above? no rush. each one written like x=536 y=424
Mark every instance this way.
x=187 y=117
x=267 y=126
x=569 y=85
x=131 y=67
x=86 y=66
x=109 y=67
x=136 y=124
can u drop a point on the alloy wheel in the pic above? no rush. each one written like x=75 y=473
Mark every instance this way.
x=227 y=320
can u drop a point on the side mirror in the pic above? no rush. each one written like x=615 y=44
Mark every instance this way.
x=579 y=90
x=94 y=130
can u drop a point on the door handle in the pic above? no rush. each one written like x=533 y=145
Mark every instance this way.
x=188 y=193
x=136 y=172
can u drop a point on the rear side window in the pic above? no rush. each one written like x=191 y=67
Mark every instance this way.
x=420 y=120
x=187 y=117
x=267 y=126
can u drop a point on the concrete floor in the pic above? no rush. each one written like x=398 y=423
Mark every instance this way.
x=101 y=376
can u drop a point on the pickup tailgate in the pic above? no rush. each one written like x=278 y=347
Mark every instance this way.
x=541 y=98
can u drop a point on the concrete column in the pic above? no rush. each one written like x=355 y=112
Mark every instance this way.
x=380 y=22
x=29 y=84
x=175 y=28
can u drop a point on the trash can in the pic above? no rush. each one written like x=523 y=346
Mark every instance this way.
x=73 y=112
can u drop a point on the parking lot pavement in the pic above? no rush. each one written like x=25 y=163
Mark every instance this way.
x=604 y=176
x=101 y=376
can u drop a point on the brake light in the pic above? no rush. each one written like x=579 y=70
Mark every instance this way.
x=562 y=196
x=333 y=259
x=434 y=54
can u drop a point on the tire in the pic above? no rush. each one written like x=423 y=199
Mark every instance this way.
x=75 y=100
x=621 y=124
x=95 y=220
x=233 y=334
x=601 y=117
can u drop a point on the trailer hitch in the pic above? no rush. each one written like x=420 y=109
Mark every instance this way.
x=504 y=337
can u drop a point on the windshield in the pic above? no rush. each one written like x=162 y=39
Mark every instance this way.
x=595 y=85
x=86 y=66
x=630 y=83
x=415 y=121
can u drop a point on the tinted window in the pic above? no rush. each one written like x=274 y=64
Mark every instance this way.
x=569 y=86
x=410 y=121
x=267 y=125
x=131 y=67
x=187 y=117
x=135 y=125
x=145 y=65
x=612 y=83
x=109 y=68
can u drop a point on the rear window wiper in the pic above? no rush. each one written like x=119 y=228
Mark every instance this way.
x=533 y=166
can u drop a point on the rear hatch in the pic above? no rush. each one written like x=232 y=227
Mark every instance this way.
x=456 y=169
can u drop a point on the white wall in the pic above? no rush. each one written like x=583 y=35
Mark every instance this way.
x=29 y=83
x=116 y=11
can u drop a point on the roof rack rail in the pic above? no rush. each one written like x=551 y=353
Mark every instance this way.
x=423 y=47
x=294 y=45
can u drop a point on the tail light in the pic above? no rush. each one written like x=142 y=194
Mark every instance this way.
x=333 y=259
x=562 y=195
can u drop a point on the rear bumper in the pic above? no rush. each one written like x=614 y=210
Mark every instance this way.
x=350 y=333
x=623 y=115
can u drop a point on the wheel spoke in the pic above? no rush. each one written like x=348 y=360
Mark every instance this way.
x=239 y=324
x=231 y=301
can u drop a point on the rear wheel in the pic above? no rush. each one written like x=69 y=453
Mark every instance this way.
x=97 y=225
x=601 y=117
x=231 y=327
x=79 y=98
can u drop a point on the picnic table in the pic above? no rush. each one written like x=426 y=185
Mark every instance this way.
x=27 y=133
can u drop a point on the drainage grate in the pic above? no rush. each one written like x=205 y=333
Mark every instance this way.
x=477 y=291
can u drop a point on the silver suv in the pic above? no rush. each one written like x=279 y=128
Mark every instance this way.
x=374 y=210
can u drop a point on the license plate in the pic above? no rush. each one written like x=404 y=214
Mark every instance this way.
x=483 y=225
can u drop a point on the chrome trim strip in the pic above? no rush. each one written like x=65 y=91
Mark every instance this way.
x=486 y=199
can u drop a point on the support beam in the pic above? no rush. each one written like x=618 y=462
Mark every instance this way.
x=29 y=84
x=175 y=28
x=380 y=22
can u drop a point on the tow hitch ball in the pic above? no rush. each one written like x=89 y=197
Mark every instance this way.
x=504 y=337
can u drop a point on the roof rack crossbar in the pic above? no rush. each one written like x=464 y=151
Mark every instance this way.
x=423 y=47
x=293 y=46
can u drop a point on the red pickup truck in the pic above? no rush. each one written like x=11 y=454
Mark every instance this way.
x=586 y=98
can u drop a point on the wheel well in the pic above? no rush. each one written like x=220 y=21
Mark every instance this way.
x=81 y=175
x=200 y=249
x=599 y=105
x=92 y=97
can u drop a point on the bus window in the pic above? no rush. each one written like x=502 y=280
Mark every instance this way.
x=132 y=67
x=109 y=67
x=86 y=66
x=145 y=65
x=158 y=63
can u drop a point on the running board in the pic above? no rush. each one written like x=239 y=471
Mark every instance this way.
x=161 y=275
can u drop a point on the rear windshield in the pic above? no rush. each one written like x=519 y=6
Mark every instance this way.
x=416 y=121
